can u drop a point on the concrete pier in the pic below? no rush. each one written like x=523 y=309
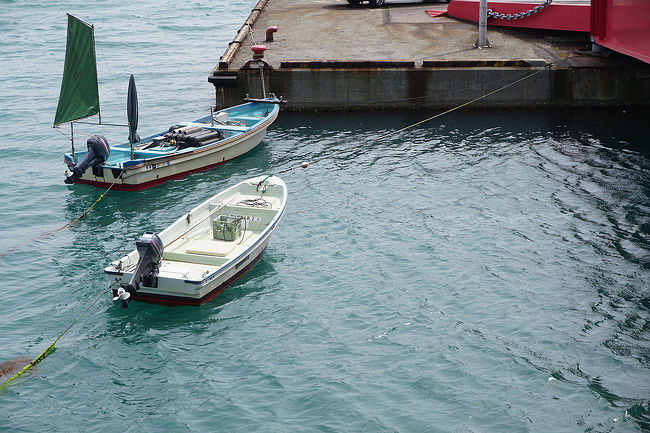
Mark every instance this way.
x=327 y=54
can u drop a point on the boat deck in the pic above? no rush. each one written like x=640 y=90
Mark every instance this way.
x=201 y=252
x=231 y=122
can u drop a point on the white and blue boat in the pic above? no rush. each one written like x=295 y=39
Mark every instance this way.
x=182 y=148
x=205 y=250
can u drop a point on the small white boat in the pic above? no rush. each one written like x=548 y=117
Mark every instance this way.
x=205 y=250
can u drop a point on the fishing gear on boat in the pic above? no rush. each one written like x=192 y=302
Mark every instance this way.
x=187 y=136
x=228 y=228
x=254 y=202
x=258 y=202
x=178 y=130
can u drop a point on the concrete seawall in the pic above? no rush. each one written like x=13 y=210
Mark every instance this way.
x=329 y=55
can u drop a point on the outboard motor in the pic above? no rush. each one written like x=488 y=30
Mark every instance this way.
x=150 y=249
x=98 y=151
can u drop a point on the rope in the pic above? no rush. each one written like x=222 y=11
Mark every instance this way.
x=255 y=202
x=50 y=348
x=366 y=142
x=416 y=98
x=46 y=234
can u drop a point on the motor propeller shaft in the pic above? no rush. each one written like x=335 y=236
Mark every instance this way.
x=98 y=152
x=150 y=249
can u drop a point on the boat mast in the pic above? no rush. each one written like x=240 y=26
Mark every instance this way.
x=99 y=109
x=74 y=159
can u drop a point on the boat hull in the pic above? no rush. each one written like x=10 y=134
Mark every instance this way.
x=154 y=173
x=209 y=291
x=102 y=182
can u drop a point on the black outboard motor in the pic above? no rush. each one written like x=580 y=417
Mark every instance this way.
x=98 y=151
x=150 y=249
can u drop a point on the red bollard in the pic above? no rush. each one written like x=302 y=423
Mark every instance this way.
x=269 y=33
x=258 y=51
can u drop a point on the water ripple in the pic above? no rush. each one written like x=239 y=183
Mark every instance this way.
x=487 y=271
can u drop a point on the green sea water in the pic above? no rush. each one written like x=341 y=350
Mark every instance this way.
x=488 y=271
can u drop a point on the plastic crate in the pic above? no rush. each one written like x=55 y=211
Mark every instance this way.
x=226 y=228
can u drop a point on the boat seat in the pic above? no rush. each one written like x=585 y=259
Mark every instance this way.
x=171 y=271
x=210 y=247
x=213 y=247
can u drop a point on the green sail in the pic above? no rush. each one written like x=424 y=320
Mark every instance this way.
x=79 y=97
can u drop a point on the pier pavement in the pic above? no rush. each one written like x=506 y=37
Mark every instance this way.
x=327 y=54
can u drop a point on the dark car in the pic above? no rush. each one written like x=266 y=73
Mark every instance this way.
x=377 y=3
x=373 y=3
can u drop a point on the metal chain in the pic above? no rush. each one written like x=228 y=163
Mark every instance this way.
x=492 y=14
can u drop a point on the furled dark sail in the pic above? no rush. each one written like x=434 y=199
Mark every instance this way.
x=132 y=111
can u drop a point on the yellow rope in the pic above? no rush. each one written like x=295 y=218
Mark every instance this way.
x=416 y=98
x=49 y=348
x=46 y=234
x=427 y=119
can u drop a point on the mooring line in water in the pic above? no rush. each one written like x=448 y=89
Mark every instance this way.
x=49 y=349
x=46 y=234
x=363 y=143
